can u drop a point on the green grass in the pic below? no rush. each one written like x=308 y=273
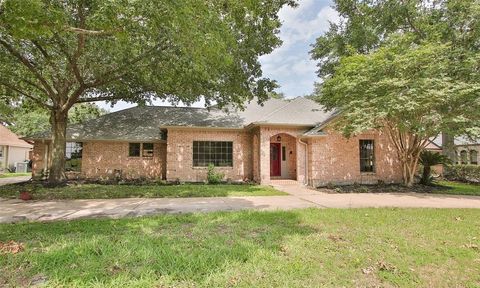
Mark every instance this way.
x=457 y=188
x=299 y=248
x=7 y=175
x=91 y=191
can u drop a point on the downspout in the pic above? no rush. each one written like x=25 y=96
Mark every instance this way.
x=306 y=160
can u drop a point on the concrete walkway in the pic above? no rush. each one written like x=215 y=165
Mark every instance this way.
x=363 y=200
x=17 y=210
x=13 y=180
x=300 y=197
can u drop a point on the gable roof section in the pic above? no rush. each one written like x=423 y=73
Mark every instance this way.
x=145 y=123
x=9 y=138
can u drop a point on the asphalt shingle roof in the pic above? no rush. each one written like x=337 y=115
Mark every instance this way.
x=145 y=122
x=9 y=138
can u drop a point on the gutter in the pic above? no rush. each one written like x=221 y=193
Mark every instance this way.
x=306 y=160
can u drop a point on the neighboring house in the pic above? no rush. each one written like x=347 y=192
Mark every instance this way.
x=12 y=149
x=467 y=150
x=281 y=139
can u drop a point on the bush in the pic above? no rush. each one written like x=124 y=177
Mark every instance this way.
x=463 y=173
x=214 y=177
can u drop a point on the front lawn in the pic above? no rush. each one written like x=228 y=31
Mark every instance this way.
x=458 y=188
x=7 y=175
x=299 y=248
x=98 y=191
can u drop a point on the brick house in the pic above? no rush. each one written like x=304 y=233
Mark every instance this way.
x=281 y=139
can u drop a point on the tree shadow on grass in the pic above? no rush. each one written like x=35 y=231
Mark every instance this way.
x=183 y=248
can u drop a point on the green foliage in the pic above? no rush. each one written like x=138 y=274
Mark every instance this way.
x=429 y=159
x=423 y=54
x=178 y=51
x=406 y=84
x=28 y=119
x=463 y=173
x=214 y=177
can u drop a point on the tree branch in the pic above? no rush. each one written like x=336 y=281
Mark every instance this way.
x=95 y=99
x=29 y=65
x=92 y=32
x=38 y=101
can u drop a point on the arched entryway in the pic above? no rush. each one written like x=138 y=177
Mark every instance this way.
x=283 y=156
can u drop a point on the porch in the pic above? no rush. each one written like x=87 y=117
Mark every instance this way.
x=279 y=154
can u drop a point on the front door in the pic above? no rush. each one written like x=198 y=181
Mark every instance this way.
x=275 y=169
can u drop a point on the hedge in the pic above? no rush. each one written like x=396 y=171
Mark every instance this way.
x=463 y=173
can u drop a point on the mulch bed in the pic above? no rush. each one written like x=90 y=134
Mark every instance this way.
x=418 y=188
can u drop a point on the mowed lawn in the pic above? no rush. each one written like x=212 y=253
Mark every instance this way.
x=298 y=248
x=91 y=191
x=458 y=188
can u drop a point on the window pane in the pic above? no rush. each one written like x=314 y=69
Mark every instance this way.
x=218 y=153
x=73 y=156
x=147 y=150
x=367 y=156
x=134 y=149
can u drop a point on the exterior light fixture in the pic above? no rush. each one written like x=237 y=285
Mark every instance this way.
x=279 y=138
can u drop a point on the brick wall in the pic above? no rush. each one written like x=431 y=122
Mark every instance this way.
x=101 y=159
x=335 y=159
x=331 y=159
x=180 y=154
x=38 y=158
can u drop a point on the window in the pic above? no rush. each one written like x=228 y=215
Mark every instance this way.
x=140 y=149
x=1 y=151
x=147 y=150
x=463 y=157
x=134 y=149
x=73 y=156
x=218 y=153
x=284 y=157
x=367 y=156
x=473 y=157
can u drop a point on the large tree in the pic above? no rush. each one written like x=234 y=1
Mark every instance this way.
x=61 y=52
x=405 y=91
x=387 y=31
x=367 y=24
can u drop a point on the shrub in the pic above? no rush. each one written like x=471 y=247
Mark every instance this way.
x=214 y=177
x=463 y=173
x=429 y=159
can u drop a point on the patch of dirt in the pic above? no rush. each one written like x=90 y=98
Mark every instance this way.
x=11 y=247
x=382 y=188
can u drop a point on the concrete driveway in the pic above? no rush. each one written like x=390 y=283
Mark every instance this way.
x=13 y=180
x=300 y=197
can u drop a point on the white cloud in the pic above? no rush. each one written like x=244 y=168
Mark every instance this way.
x=290 y=64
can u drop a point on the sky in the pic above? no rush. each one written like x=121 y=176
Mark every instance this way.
x=290 y=64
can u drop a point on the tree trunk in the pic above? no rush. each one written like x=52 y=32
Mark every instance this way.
x=448 y=147
x=426 y=175
x=58 y=120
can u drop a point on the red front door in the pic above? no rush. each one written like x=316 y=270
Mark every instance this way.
x=275 y=169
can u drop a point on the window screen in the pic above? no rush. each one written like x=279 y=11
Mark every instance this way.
x=367 y=156
x=218 y=153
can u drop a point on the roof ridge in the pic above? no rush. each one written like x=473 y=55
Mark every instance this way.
x=274 y=111
x=288 y=103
